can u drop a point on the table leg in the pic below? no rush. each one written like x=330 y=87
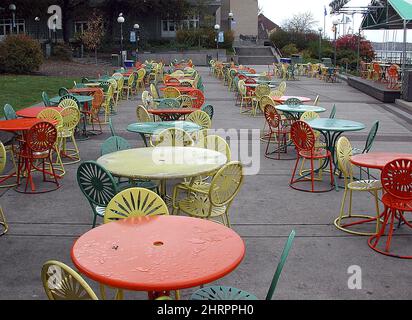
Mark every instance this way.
x=144 y=139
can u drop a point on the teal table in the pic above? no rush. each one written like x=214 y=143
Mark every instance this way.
x=151 y=128
x=84 y=100
x=254 y=85
x=332 y=129
x=251 y=75
x=298 y=110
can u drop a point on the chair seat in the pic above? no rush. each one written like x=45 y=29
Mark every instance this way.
x=222 y=293
x=197 y=205
x=100 y=211
x=396 y=203
x=65 y=134
x=34 y=155
x=365 y=185
x=284 y=130
x=315 y=154
x=356 y=151
x=198 y=185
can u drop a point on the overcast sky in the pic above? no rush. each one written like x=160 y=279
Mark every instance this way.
x=278 y=11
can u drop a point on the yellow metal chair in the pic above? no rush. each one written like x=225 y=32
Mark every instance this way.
x=135 y=202
x=66 y=103
x=147 y=100
x=185 y=101
x=3 y=161
x=344 y=153
x=171 y=92
x=215 y=202
x=264 y=101
x=153 y=91
x=201 y=118
x=116 y=92
x=60 y=282
x=245 y=98
x=142 y=115
x=53 y=115
x=107 y=103
x=71 y=118
x=172 y=137
x=141 y=74
x=260 y=91
x=129 y=88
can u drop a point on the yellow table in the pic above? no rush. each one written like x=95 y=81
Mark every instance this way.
x=92 y=84
x=163 y=163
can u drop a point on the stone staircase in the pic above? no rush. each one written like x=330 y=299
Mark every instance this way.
x=255 y=55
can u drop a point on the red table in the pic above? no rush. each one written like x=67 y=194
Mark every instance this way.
x=34 y=111
x=284 y=98
x=18 y=124
x=157 y=254
x=172 y=114
x=377 y=160
x=84 y=90
x=183 y=90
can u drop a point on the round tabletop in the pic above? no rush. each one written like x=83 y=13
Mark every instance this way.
x=81 y=99
x=160 y=253
x=250 y=75
x=340 y=125
x=181 y=89
x=84 y=90
x=254 y=85
x=156 y=127
x=32 y=112
x=377 y=160
x=19 y=124
x=160 y=163
x=92 y=84
x=181 y=111
x=299 y=108
x=284 y=98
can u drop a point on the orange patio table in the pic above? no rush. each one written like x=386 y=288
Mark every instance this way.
x=32 y=112
x=157 y=254
x=171 y=114
x=377 y=160
x=284 y=98
x=181 y=89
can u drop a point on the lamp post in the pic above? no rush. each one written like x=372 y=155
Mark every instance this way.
x=358 y=51
x=12 y=8
x=37 y=20
x=217 y=28
x=335 y=29
x=121 y=20
x=230 y=19
x=137 y=30
x=320 y=29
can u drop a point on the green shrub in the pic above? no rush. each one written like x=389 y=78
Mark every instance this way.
x=289 y=49
x=62 y=52
x=20 y=54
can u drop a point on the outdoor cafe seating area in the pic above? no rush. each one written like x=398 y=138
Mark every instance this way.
x=175 y=191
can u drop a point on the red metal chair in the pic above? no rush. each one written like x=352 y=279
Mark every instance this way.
x=279 y=133
x=37 y=148
x=200 y=98
x=396 y=180
x=393 y=77
x=304 y=139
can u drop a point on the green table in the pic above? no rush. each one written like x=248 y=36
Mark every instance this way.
x=297 y=110
x=151 y=128
x=332 y=129
x=82 y=99
x=254 y=85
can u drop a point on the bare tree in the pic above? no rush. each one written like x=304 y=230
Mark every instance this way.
x=301 y=22
x=93 y=36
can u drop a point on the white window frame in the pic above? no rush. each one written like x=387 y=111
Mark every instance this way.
x=82 y=24
x=183 y=24
x=6 y=27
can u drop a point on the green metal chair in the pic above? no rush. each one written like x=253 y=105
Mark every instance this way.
x=9 y=112
x=85 y=80
x=114 y=144
x=97 y=185
x=209 y=110
x=111 y=126
x=333 y=112
x=293 y=102
x=169 y=103
x=45 y=99
x=63 y=92
x=230 y=293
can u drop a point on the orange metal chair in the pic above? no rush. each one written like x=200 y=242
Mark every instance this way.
x=304 y=139
x=396 y=180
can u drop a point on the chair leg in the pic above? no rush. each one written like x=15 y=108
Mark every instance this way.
x=3 y=222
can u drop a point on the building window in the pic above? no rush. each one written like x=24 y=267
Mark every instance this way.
x=6 y=27
x=80 y=26
x=169 y=27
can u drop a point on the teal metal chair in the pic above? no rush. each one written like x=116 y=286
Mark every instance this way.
x=114 y=144
x=230 y=293
x=169 y=103
x=209 y=110
x=333 y=112
x=45 y=99
x=9 y=112
x=97 y=185
x=111 y=126
x=63 y=92
x=85 y=80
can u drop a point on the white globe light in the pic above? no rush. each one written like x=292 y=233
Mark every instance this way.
x=136 y=26
x=231 y=14
x=217 y=27
x=120 y=19
x=12 y=7
x=320 y=29
x=336 y=22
